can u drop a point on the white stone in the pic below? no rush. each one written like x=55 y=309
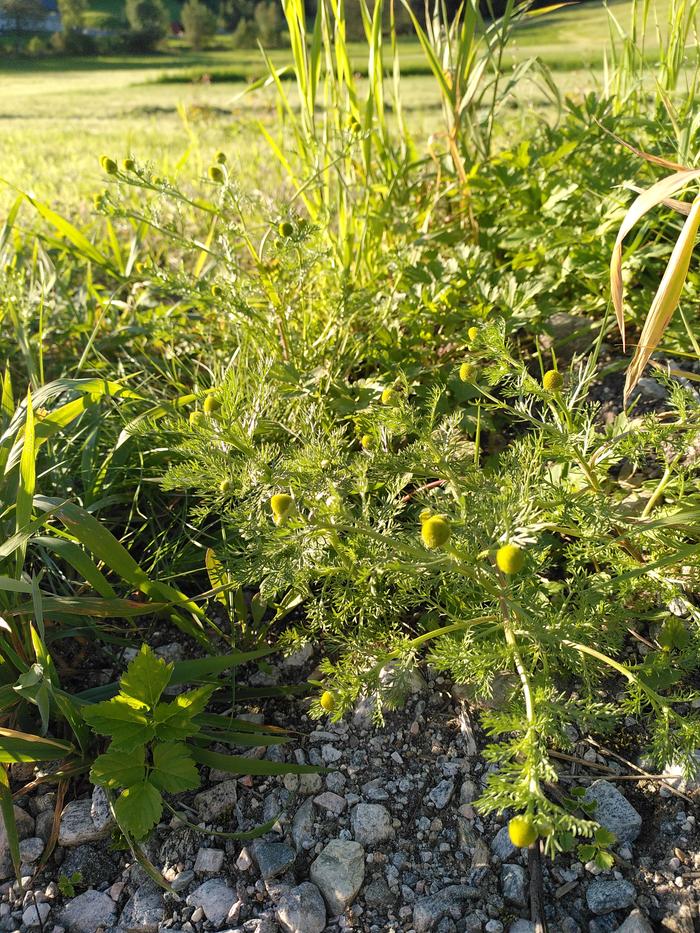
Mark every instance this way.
x=302 y=910
x=88 y=911
x=36 y=915
x=209 y=861
x=215 y=898
x=77 y=825
x=371 y=824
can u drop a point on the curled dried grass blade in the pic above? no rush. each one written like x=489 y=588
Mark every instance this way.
x=641 y=205
x=647 y=156
x=682 y=207
x=666 y=299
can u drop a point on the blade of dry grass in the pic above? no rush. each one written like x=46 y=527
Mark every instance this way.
x=666 y=299
x=641 y=205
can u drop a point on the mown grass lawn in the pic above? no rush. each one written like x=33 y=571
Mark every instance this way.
x=57 y=115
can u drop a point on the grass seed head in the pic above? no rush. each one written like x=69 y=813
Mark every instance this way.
x=435 y=531
x=510 y=558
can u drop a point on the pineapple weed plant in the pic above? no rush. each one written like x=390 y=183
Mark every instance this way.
x=543 y=566
x=371 y=509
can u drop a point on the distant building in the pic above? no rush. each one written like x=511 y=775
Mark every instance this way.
x=50 y=23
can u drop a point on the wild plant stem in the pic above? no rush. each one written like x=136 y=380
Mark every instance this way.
x=660 y=489
x=524 y=680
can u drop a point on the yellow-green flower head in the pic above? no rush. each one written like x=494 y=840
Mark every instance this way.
x=355 y=125
x=435 y=531
x=552 y=380
x=282 y=506
x=216 y=291
x=467 y=372
x=216 y=173
x=196 y=418
x=425 y=515
x=220 y=158
x=109 y=165
x=286 y=229
x=367 y=441
x=522 y=831
x=100 y=200
x=510 y=558
x=129 y=165
x=327 y=701
x=389 y=396
x=473 y=333
x=224 y=486
x=211 y=404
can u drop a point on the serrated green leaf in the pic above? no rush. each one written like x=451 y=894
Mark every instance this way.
x=174 y=720
x=173 y=768
x=604 y=837
x=586 y=853
x=146 y=678
x=567 y=841
x=195 y=701
x=115 y=769
x=172 y=723
x=139 y=808
x=128 y=725
x=604 y=860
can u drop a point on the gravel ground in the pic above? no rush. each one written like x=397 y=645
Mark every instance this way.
x=389 y=840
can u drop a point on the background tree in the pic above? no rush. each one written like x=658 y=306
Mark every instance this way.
x=268 y=20
x=199 y=22
x=148 y=23
x=233 y=12
x=72 y=14
x=23 y=16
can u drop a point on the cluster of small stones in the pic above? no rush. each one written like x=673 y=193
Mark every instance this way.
x=389 y=839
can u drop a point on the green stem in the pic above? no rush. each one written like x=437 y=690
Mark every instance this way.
x=660 y=489
x=524 y=680
x=654 y=698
